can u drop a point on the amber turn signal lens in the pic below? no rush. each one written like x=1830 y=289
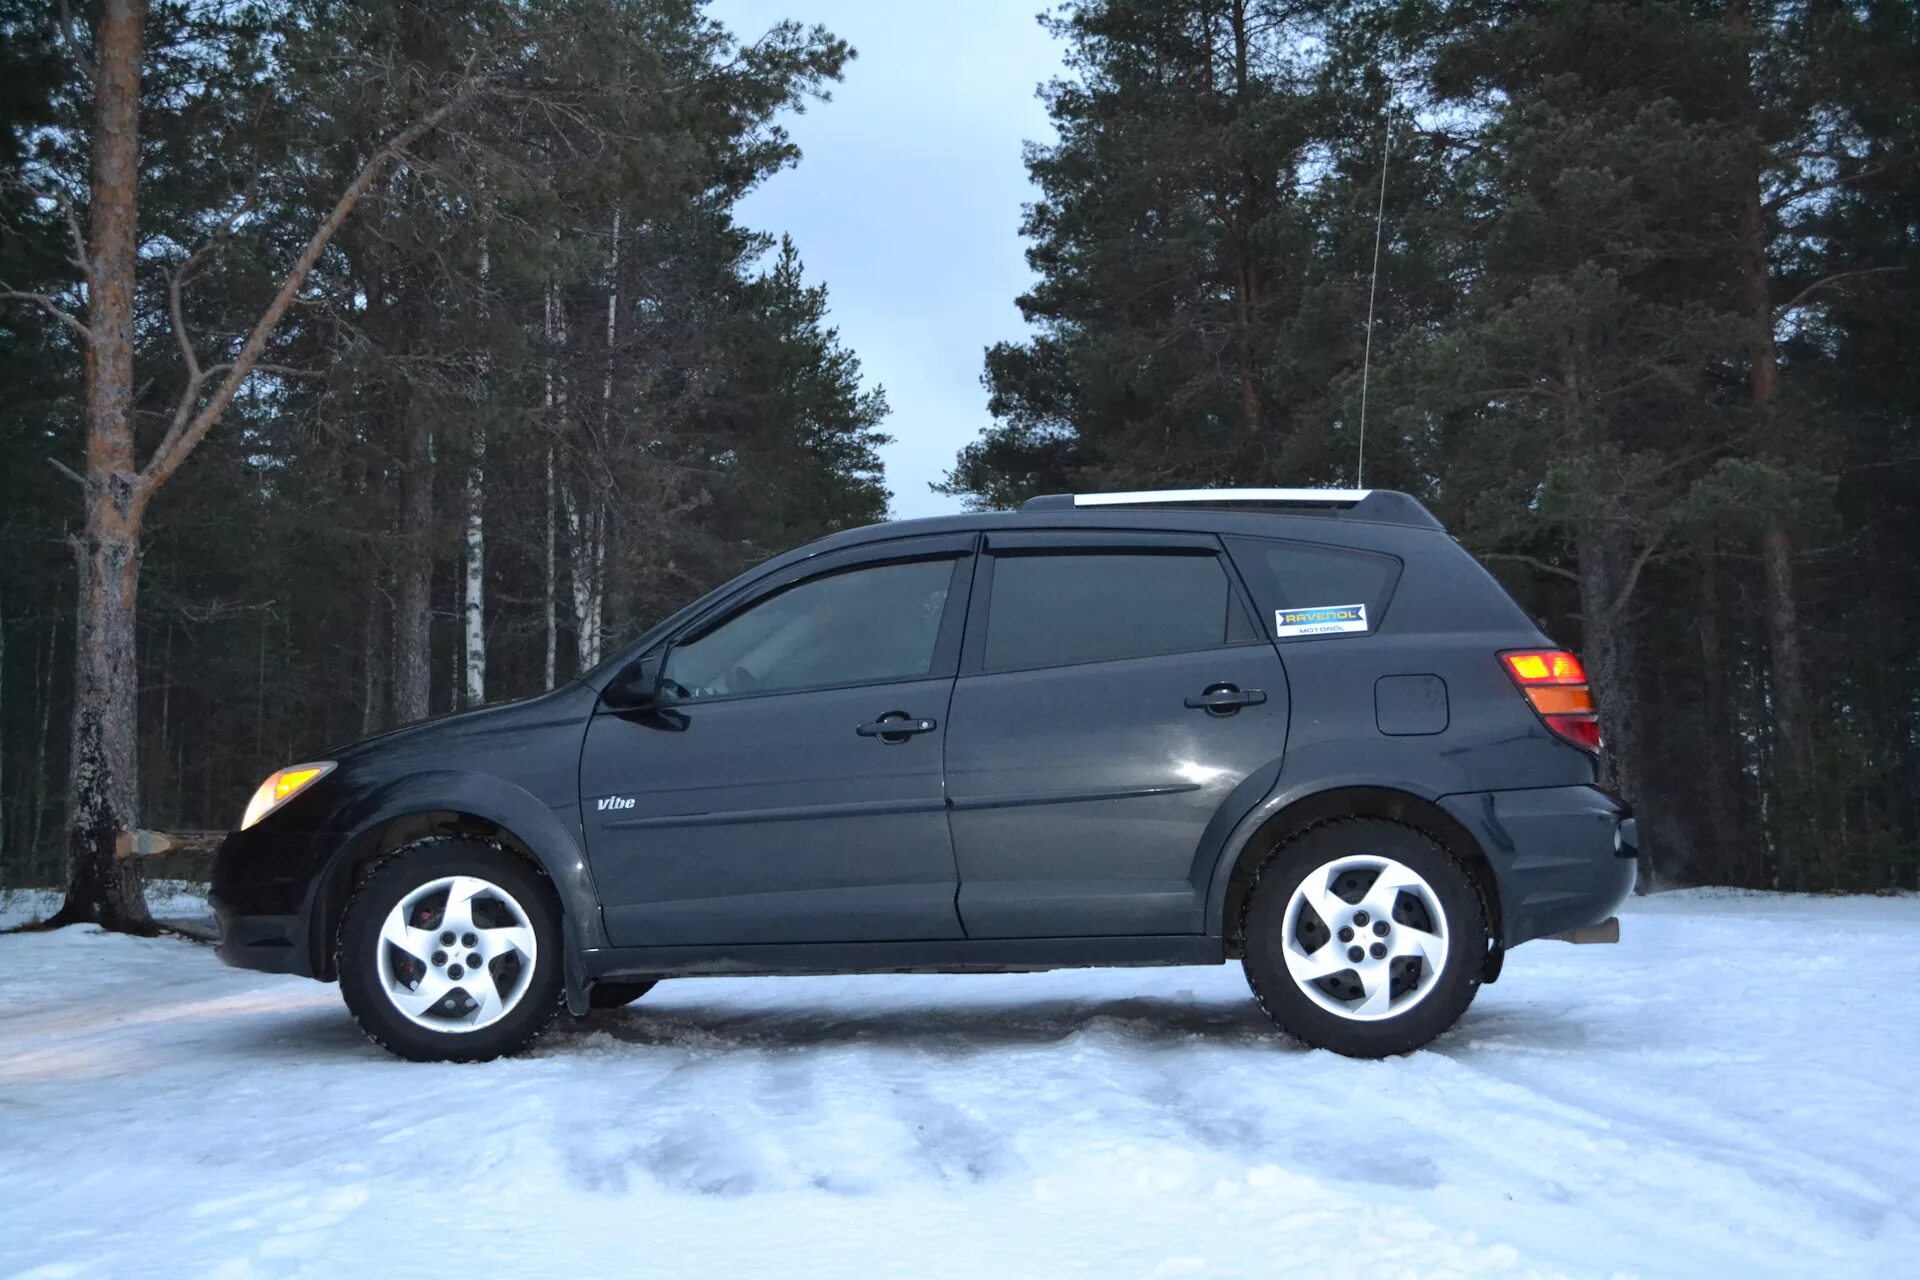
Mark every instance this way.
x=1561 y=699
x=281 y=786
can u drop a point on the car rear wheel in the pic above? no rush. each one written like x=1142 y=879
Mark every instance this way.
x=1364 y=937
x=450 y=952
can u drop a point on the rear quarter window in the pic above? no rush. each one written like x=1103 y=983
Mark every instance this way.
x=1300 y=575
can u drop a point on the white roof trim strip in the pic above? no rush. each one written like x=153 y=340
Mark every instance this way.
x=1218 y=495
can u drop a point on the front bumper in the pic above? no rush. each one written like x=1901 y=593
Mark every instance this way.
x=1565 y=858
x=263 y=919
x=270 y=944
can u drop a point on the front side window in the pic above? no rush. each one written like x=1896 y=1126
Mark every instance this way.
x=881 y=622
x=1057 y=609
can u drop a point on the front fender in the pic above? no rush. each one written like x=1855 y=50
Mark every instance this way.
x=545 y=833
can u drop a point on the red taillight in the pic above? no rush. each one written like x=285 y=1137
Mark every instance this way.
x=1555 y=685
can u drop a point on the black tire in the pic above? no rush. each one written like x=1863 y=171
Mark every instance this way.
x=401 y=874
x=1298 y=1014
x=617 y=995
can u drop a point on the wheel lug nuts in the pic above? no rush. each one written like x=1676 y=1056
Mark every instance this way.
x=1355 y=954
x=439 y=957
x=447 y=938
x=1346 y=934
x=1379 y=950
x=1380 y=928
x=456 y=973
x=468 y=940
x=1360 y=918
x=473 y=962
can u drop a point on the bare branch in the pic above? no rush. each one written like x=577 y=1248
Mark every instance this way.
x=194 y=376
x=70 y=34
x=66 y=471
x=1543 y=566
x=52 y=308
x=1799 y=299
x=1633 y=576
x=188 y=428
x=77 y=238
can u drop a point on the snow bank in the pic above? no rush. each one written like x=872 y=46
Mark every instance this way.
x=1729 y=1092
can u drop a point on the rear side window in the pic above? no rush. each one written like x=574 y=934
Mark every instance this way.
x=1060 y=608
x=1291 y=580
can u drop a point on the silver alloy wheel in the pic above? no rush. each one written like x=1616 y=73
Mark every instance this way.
x=446 y=968
x=1382 y=911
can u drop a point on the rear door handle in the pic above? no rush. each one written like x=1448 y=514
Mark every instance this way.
x=896 y=726
x=1224 y=699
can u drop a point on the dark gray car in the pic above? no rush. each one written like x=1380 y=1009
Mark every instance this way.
x=1303 y=728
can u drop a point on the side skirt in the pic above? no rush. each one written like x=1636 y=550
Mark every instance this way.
x=960 y=955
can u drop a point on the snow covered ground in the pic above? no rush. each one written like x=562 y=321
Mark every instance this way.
x=1734 y=1090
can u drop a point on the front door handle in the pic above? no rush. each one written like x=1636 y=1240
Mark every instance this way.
x=896 y=726
x=1224 y=699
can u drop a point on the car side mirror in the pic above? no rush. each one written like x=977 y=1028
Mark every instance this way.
x=638 y=687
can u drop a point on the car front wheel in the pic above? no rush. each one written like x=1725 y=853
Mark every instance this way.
x=450 y=952
x=1364 y=937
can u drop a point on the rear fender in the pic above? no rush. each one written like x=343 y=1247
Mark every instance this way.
x=1376 y=763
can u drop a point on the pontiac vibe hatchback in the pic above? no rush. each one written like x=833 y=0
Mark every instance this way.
x=1303 y=729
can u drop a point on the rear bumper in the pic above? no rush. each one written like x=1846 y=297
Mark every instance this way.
x=1565 y=857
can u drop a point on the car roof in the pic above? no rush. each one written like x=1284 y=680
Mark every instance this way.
x=1294 y=519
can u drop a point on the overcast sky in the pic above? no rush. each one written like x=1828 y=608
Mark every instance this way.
x=906 y=203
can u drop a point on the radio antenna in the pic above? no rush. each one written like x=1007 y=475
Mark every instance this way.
x=1373 y=286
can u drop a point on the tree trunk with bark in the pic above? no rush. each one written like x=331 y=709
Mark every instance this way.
x=1723 y=818
x=1794 y=750
x=102 y=766
x=103 y=790
x=1610 y=654
x=413 y=607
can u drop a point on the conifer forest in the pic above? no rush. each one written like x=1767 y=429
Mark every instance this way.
x=366 y=360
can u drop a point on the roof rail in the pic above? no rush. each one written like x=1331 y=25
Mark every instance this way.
x=1384 y=506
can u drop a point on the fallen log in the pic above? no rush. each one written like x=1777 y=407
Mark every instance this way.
x=184 y=844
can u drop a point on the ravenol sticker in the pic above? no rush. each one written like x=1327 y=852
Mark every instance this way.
x=1325 y=620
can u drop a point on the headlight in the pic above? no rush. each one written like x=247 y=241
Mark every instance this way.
x=281 y=786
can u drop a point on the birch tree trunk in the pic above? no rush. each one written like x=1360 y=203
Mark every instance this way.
x=474 y=608
x=1247 y=212
x=102 y=779
x=553 y=620
x=476 y=616
x=586 y=531
x=556 y=331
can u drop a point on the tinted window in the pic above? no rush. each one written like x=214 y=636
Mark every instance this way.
x=1053 y=609
x=877 y=623
x=1297 y=575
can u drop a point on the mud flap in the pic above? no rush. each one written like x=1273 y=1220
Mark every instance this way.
x=575 y=983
